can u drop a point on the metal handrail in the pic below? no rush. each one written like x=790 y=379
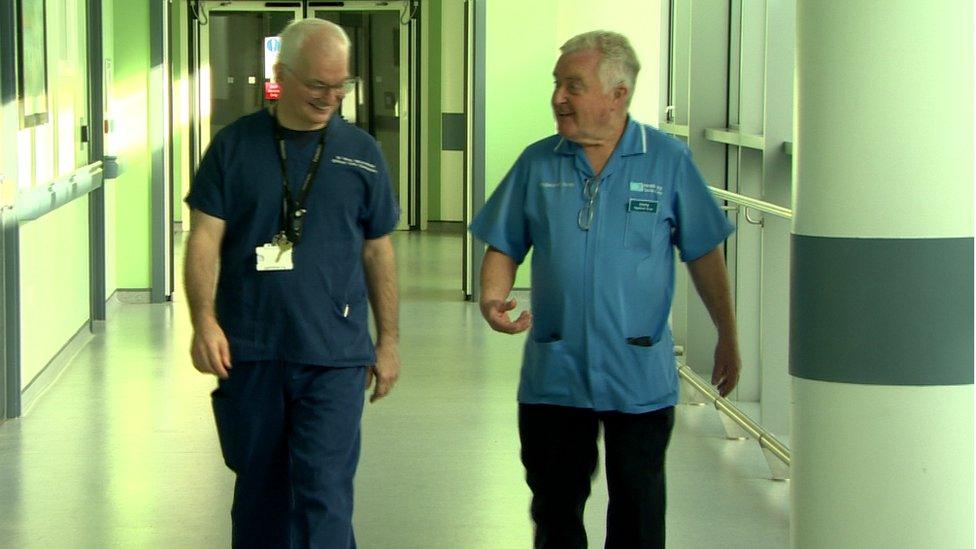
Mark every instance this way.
x=752 y=203
x=765 y=438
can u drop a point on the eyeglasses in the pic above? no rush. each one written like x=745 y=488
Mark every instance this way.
x=590 y=187
x=320 y=88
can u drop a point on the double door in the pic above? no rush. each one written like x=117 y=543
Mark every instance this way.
x=237 y=49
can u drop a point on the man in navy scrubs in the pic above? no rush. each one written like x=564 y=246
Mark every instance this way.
x=602 y=204
x=292 y=210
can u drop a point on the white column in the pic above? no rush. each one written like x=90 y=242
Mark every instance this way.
x=882 y=279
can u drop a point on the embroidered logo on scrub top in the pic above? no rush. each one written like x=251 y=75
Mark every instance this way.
x=354 y=162
x=638 y=205
x=638 y=187
x=551 y=185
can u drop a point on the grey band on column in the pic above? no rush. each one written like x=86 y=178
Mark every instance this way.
x=882 y=311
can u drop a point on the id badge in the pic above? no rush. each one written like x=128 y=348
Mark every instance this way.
x=274 y=258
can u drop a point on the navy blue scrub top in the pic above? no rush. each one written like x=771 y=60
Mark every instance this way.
x=600 y=298
x=298 y=315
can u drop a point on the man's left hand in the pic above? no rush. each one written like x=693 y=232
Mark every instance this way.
x=725 y=374
x=385 y=371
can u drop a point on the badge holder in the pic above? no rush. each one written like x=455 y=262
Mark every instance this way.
x=275 y=255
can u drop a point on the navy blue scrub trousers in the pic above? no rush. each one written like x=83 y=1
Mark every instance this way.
x=291 y=434
x=559 y=451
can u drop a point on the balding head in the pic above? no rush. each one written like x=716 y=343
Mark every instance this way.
x=312 y=72
x=305 y=37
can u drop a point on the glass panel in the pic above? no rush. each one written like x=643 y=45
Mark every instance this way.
x=385 y=76
x=237 y=62
x=375 y=105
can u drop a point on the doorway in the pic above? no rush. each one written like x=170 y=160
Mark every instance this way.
x=234 y=65
x=232 y=71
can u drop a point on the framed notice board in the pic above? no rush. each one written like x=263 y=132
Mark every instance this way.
x=32 y=62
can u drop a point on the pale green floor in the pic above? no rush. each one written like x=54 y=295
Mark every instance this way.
x=121 y=450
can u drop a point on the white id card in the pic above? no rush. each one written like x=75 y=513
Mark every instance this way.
x=274 y=258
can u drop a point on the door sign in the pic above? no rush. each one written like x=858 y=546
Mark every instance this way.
x=272 y=45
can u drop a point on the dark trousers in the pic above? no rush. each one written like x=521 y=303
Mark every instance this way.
x=291 y=434
x=559 y=451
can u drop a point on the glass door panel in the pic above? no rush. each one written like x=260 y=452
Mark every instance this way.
x=380 y=103
x=232 y=60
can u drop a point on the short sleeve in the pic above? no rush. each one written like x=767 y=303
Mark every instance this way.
x=207 y=189
x=700 y=223
x=381 y=212
x=502 y=222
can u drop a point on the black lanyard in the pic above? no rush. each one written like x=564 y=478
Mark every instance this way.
x=293 y=212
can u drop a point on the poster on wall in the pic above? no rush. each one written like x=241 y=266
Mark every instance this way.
x=32 y=63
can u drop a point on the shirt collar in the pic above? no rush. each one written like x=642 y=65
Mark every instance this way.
x=633 y=141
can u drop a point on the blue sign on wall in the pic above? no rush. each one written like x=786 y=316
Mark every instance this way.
x=272 y=45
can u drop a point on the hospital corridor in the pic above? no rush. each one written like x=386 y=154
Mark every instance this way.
x=757 y=215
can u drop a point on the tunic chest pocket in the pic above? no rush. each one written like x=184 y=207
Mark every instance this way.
x=641 y=222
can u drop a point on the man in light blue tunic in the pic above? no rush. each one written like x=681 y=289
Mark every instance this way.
x=602 y=204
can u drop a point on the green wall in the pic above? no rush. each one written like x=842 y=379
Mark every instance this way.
x=178 y=67
x=128 y=106
x=521 y=52
x=53 y=284
x=518 y=81
x=108 y=48
x=519 y=61
x=54 y=249
x=54 y=268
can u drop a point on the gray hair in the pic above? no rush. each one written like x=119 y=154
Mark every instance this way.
x=294 y=36
x=618 y=62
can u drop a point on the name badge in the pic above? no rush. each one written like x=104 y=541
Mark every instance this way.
x=274 y=258
x=641 y=205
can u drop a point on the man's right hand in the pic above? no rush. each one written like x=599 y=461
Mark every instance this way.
x=496 y=311
x=210 y=350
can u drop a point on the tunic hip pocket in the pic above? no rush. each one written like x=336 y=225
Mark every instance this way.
x=547 y=369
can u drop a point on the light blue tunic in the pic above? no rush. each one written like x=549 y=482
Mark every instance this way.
x=600 y=296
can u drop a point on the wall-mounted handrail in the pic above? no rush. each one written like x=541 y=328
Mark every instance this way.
x=752 y=203
x=674 y=129
x=765 y=438
x=43 y=199
x=734 y=136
